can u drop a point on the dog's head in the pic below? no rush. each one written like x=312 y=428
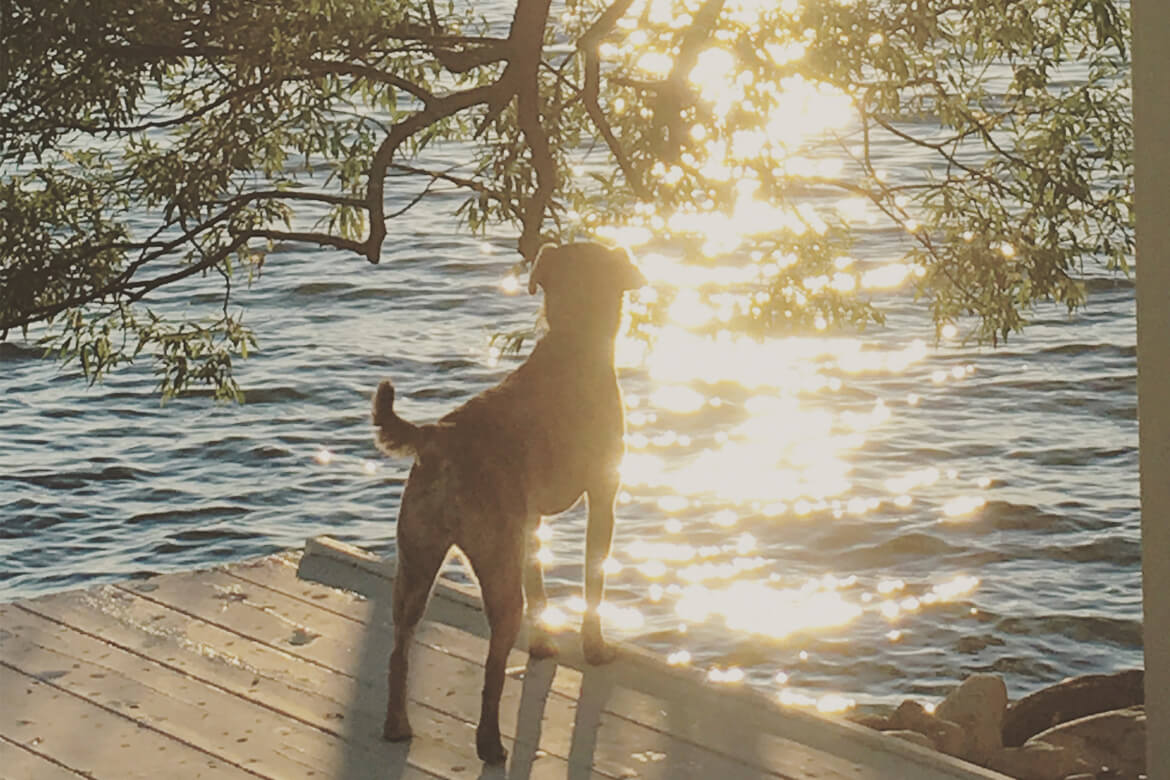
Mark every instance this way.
x=583 y=285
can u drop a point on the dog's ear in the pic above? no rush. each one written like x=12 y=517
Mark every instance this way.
x=540 y=268
x=632 y=278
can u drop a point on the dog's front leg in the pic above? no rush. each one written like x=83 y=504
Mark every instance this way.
x=540 y=643
x=598 y=542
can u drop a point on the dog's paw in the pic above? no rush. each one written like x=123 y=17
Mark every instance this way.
x=490 y=749
x=599 y=653
x=542 y=646
x=396 y=729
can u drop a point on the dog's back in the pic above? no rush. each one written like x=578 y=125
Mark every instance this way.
x=544 y=430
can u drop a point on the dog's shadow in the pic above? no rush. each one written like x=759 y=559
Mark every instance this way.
x=596 y=686
x=538 y=679
x=369 y=757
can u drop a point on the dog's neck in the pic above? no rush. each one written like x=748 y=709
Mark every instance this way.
x=593 y=350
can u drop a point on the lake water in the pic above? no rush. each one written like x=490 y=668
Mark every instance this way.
x=853 y=519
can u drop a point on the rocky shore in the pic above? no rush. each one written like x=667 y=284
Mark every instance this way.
x=1083 y=728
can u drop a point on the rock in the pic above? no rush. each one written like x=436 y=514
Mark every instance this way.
x=949 y=737
x=910 y=715
x=911 y=736
x=1037 y=761
x=978 y=707
x=1073 y=698
x=1114 y=740
x=946 y=736
x=871 y=721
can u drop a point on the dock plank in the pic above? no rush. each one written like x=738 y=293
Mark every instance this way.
x=251 y=671
x=232 y=727
x=441 y=679
x=95 y=741
x=305 y=692
x=18 y=762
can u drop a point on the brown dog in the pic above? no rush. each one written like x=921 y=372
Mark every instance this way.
x=485 y=474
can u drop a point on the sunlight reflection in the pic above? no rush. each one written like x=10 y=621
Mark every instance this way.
x=732 y=675
x=678 y=398
x=652 y=569
x=885 y=277
x=665 y=551
x=913 y=479
x=759 y=609
x=794 y=364
x=959 y=586
x=672 y=503
x=734 y=438
x=962 y=506
x=791 y=698
x=622 y=618
x=827 y=704
x=832 y=703
x=554 y=618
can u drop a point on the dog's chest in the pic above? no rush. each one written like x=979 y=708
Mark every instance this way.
x=575 y=448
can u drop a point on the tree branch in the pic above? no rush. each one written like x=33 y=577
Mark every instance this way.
x=590 y=93
x=439 y=109
x=527 y=38
x=671 y=98
x=372 y=74
x=459 y=181
x=319 y=197
x=306 y=237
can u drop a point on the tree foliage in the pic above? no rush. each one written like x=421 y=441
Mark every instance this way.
x=154 y=142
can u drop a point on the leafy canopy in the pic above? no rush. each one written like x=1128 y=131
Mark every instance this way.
x=156 y=143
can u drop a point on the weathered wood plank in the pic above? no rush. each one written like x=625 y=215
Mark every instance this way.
x=184 y=665
x=18 y=762
x=449 y=682
x=306 y=692
x=195 y=712
x=96 y=741
x=703 y=742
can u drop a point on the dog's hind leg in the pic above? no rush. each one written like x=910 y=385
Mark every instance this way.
x=416 y=572
x=540 y=644
x=503 y=601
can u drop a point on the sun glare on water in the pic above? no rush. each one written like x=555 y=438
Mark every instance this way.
x=733 y=437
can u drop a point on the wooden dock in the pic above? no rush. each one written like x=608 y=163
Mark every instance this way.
x=250 y=670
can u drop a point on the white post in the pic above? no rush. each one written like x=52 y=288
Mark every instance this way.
x=1151 y=100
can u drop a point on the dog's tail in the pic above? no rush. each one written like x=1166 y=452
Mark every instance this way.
x=395 y=436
